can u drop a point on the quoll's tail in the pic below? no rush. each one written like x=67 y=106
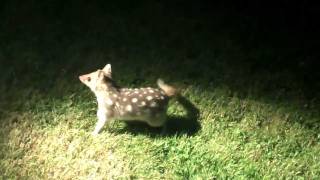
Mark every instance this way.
x=169 y=90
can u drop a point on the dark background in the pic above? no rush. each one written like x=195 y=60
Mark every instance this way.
x=261 y=46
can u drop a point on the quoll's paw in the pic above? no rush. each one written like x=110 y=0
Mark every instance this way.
x=94 y=133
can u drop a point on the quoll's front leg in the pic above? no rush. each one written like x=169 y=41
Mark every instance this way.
x=102 y=119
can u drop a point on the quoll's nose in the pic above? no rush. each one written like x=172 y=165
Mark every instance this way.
x=81 y=78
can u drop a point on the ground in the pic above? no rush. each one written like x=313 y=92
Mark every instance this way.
x=258 y=112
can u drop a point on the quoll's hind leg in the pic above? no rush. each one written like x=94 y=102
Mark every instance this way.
x=164 y=129
x=159 y=121
x=102 y=119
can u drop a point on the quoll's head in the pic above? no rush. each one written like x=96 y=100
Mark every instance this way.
x=98 y=79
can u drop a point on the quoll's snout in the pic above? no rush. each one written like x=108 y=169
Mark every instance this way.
x=82 y=78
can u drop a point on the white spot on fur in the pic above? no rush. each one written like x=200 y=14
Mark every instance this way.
x=145 y=92
x=162 y=97
x=140 y=95
x=143 y=103
x=153 y=104
x=129 y=108
x=151 y=91
x=134 y=100
x=124 y=99
x=149 y=98
x=115 y=95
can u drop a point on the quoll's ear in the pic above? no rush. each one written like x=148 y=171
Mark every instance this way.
x=107 y=70
x=101 y=74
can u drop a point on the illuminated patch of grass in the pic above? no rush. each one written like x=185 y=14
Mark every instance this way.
x=253 y=124
x=238 y=138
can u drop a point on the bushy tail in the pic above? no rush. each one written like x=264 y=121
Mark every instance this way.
x=169 y=90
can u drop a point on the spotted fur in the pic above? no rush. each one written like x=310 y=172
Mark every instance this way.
x=143 y=104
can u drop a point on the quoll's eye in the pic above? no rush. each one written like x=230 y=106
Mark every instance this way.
x=89 y=79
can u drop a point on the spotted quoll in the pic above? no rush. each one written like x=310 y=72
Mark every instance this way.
x=142 y=104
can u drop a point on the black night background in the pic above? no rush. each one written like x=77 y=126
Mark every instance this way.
x=249 y=70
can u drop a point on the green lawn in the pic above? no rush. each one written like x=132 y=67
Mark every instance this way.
x=258 y=119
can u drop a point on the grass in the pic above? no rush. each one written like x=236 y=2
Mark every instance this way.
x=257 y=119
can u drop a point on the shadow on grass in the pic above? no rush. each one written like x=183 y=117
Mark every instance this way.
x=176 y=125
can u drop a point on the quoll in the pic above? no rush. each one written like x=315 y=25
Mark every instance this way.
x=142 y=104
